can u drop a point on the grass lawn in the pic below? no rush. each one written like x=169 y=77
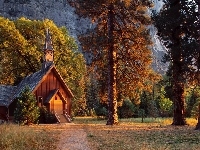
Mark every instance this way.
x=15 y=137
x=131 y=134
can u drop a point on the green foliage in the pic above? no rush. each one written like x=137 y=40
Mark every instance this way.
x=79 y=108
x=177 y=24
x=165 y=104
x=12 y=43
x=26 y=111
x=195 y=109
x=192 y=99
x=141 y=113
x=156 y=103
x=92 y=94
x=79 y=111
x=145 y=99
x=153 y=110
x=165 y=107
x=127 y=109
x=101 y=110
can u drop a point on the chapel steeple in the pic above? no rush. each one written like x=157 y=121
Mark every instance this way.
x=48 y=50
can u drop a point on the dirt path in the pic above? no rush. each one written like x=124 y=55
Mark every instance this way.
x=73 y=138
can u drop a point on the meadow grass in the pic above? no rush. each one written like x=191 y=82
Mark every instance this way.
x=160 y=121
x=131 y=134
x=15 y=137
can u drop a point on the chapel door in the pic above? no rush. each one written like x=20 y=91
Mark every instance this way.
x=58 y=106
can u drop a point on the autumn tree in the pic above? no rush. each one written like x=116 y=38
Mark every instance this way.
x=21 y=47
x=118 y=48
x=178 y=28
x=11 y=45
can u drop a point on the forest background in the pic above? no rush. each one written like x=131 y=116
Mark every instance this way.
x=141 y=92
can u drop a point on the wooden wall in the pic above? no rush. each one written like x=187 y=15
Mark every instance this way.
x=50 y=83
x=3 y=113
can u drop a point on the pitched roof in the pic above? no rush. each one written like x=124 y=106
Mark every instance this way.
x=32 y=81
x=51 y=94
x=6 y=92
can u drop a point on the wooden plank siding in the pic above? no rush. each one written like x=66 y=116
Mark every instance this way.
x=44 y=84
x=50 y=83
x=3 y=113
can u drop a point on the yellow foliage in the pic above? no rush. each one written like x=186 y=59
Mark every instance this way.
x=21 y=47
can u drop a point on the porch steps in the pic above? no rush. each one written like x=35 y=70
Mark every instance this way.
x=67 y=117
x=64 y=119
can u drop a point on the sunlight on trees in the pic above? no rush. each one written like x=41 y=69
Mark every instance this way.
x=21 y=47
x=118 y=49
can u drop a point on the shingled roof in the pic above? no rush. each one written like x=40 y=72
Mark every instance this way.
x=9 y=93
x=31 y=81
x=6 y=93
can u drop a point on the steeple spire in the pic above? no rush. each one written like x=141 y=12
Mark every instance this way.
x=48 y=51
x=48 y=42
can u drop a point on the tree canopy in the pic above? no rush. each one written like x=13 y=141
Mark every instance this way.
x=118 y=46
x=21 y=46
x=178 y=28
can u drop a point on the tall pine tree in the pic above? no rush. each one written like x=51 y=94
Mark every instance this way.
x=119 y=46
x=178 y=27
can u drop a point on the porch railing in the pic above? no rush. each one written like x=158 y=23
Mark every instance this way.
x=57 y=117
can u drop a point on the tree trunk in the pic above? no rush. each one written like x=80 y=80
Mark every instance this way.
x=112 y=100
x=198 y=124
x=178 y=79
x=178 y=95
x=179 y=118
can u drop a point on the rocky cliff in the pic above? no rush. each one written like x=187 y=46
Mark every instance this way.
x=57 y=10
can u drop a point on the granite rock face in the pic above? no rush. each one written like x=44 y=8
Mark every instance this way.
x=57 y=10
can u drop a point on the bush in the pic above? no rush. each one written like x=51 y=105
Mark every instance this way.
x=195 y=109
x=192 y=100
x=101 y=111
x=91 y=112
x=126 y=110
x=46 y=116
x=166 y=107
x=26 y=111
